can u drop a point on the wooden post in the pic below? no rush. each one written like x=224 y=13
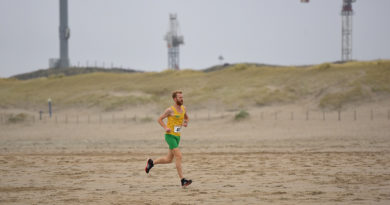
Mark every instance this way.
x=339 y=115
x=372 y=114
x=354 y=115
x=323 y=115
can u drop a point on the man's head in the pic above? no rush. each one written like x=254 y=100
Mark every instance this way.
x=178 y=97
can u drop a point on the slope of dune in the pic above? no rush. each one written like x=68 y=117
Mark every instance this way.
x=325 y=86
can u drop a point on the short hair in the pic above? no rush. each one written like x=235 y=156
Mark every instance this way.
x=174 y=93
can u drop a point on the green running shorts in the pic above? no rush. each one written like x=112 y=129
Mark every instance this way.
x=172 y=140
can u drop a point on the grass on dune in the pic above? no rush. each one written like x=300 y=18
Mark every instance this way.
x=330 y=86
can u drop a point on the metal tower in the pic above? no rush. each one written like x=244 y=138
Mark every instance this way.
x=64 y=31
x=64 y=35
x=346 y=30
x=173 y=42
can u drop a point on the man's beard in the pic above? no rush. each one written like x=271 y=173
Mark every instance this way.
x=179 y=102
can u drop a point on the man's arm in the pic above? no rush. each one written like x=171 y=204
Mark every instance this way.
x=166 y=113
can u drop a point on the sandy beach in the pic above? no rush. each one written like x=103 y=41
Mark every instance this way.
x=265 y=159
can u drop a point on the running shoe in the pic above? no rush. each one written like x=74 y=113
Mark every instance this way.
x=149 y=166
x=185 y=182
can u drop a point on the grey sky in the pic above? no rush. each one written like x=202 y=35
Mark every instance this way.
x=129 y=33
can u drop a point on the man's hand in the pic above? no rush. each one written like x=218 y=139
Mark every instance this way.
x=167 y=130
x=185 y=123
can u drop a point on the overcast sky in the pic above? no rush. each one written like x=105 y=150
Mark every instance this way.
x=130 y=33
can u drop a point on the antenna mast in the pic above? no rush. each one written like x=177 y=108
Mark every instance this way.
x=64 y=35
x=346 y=30
x=64 y=31
x=173 y=42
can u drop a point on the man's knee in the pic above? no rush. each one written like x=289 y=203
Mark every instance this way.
x=177 y=154
x=169 y=159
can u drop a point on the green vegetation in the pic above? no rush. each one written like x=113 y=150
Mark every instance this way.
x=146 y=119
x=61 y=72
x=335 y=101
x=329 y=86
x=21 y=117
x=241 y=115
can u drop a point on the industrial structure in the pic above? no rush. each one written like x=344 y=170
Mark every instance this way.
x=346 y=29
x=174 y=40
x=64 y=34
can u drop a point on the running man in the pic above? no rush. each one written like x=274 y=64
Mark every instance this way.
x=177 y=117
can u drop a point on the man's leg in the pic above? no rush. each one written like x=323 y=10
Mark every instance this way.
x=164 y=160
x=173 y=143
x=176 y=152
